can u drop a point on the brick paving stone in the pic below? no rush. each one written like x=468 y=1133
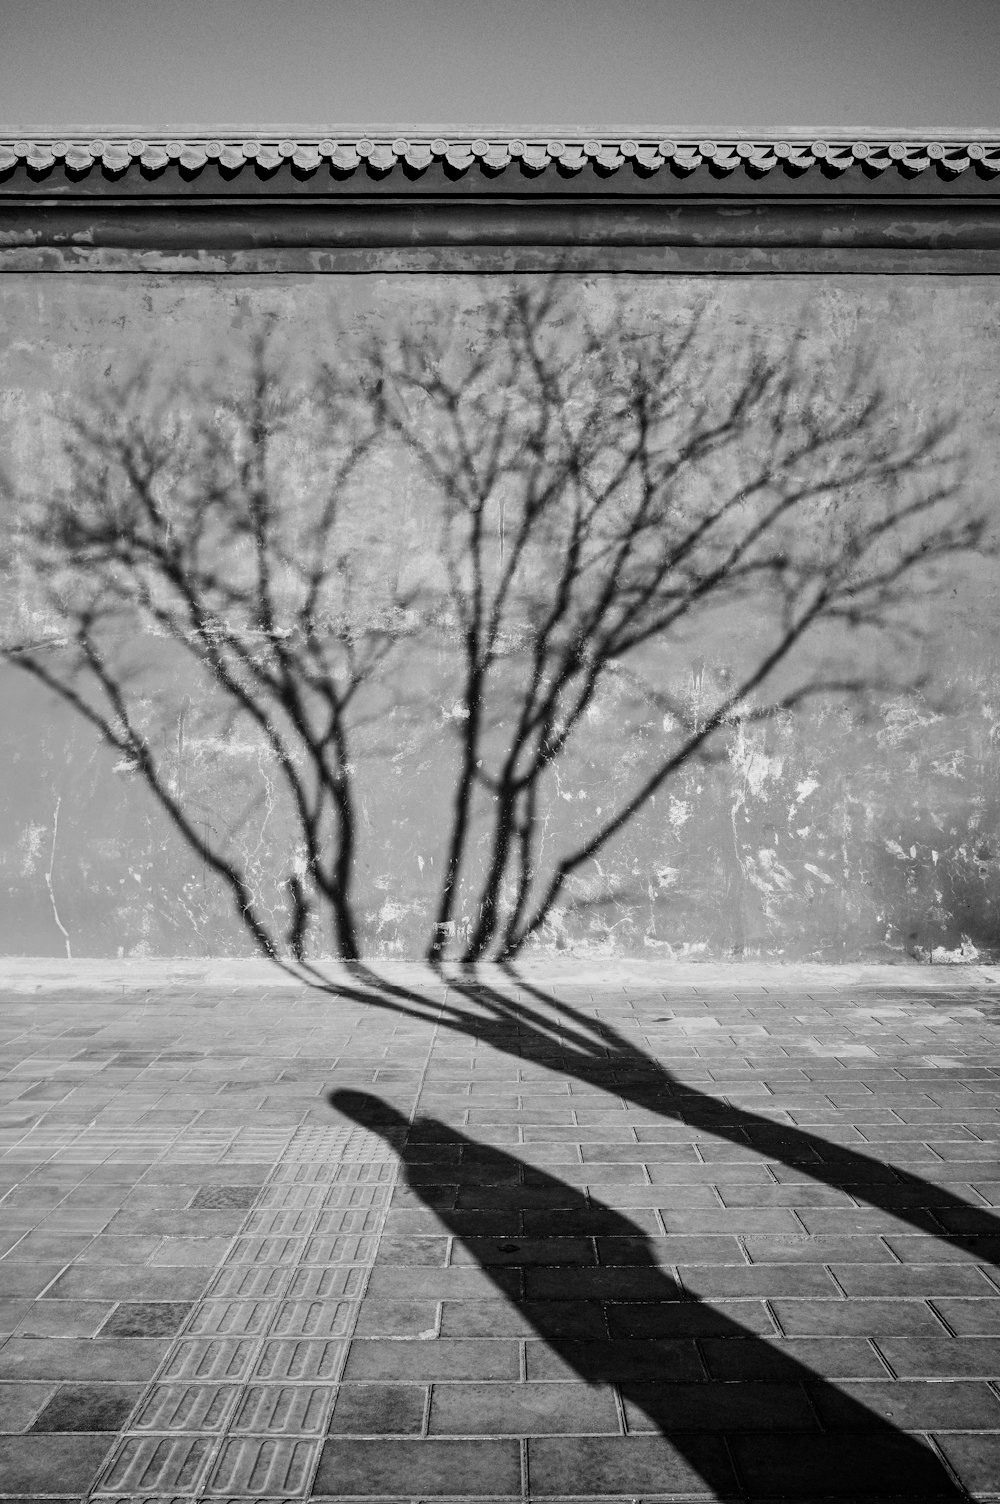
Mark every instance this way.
x=529 y=1409
x=870 y=1318
x=379 y=1410
x=448 y=1358
x=719 y=1407
x=976 y=1460
x=913 y=1405
x=626 y=1466
x=21 y=1402
x=416 y=1469
x=864 y=1465
x=52 y=1463
x=88 y=1407
x=941 y=1357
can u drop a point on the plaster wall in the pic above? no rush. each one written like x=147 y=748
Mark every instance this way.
x=819 y=836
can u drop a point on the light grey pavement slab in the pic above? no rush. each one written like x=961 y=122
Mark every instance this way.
x=590 y=1230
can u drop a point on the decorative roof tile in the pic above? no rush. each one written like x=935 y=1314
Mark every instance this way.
x=475 y=152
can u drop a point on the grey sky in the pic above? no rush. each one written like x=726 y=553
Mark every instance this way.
x=726 y=64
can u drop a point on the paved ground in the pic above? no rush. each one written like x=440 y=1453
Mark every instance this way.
x=617 y=1232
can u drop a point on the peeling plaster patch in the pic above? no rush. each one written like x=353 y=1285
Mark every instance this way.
x=962 y=955
x=31 y=847
x=902 y=719
x=679 y=813
x=756 y=767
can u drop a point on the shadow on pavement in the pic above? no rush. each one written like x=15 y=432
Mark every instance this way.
x=554 y=1034
x=749 y=1420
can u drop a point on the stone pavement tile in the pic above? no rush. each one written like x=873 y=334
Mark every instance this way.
x=912 y=1279
x=381 y=1317
x=728 y=1280
x=146 y=1319
x=669 y=1251
x=201 y=1174
x=864 y=1464
x=422 y=1362
x=818 y=1221
x=688 y=1318
x=764 y=1249
x=937 y=1357
x=21 y=1402
x=732 y=1359
x=918 y=1249
x=861 y=1318
x=989 y=1190
x=88 y=1407
x=446 y=1284
x=976 y=1460
x=736 y=1220
x=154 y=1197
x=12 y=1313
x=770 y=1195
x=910 y=1404
x=118 y=1248
x=405 y=1249
x=969 y=1220
x=550 y=1252
x=412 y=1222
x=43 y=1247
x=80 y=1358
x=52 y=1464
x=629 y=1465
x=224 y=1196
x=64 y=1318
x=597 y=1152
x=68 y=1220
x=380 y=1410
x=970 y=1318
x=621 y=1361
x=718 y=1407
x=495 y=1318
x=419 y=1469
x=628 y=1283
x=493 y=1197
x=187 y=1252
x=124 y=1281
x=531 y=1409
x=176 y=1223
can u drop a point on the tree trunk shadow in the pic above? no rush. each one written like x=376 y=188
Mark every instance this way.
x=552 y=1033
x=751 y=1421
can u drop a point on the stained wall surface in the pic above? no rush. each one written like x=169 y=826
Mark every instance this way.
x=821 y=835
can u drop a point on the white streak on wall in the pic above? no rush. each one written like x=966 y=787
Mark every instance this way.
x=48 y=880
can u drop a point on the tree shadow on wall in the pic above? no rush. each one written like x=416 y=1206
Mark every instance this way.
x=733 y=1409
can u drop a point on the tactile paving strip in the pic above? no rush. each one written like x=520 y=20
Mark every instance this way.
x=241 y=1402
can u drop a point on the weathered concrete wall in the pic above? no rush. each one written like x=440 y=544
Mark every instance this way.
x=818 y=836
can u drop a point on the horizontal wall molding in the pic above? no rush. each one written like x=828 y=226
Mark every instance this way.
x=254 y=202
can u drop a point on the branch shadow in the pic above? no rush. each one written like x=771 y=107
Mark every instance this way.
x=701 y=1393
x=550 y=1032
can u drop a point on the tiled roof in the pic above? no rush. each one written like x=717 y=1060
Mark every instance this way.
x=378 y=154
